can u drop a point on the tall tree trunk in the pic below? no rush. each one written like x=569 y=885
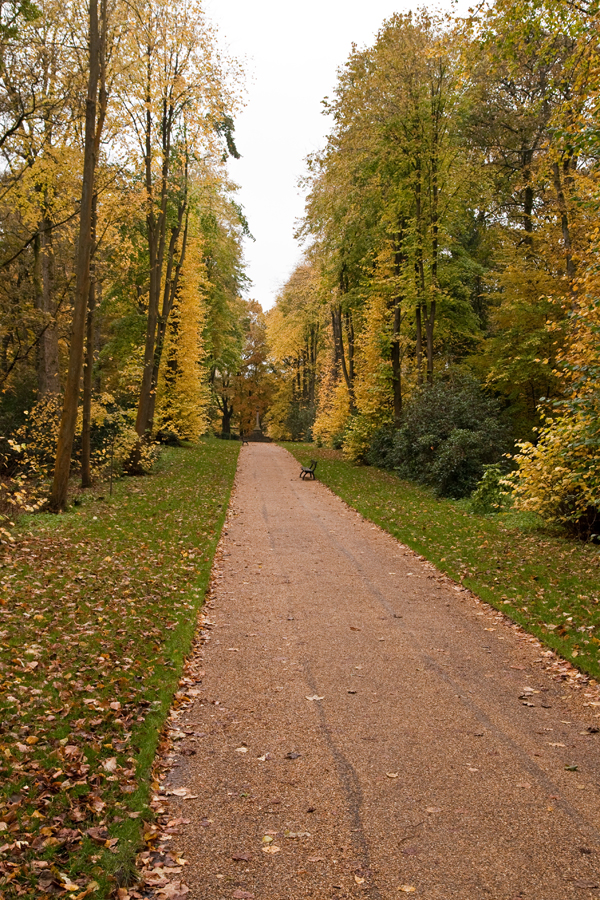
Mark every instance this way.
x=349 y=325
x=88 y=365
x=336 y=317
x=94 y=120
x=156 y=227
x=226 y=416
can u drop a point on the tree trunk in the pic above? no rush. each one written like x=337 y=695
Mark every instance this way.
x=336 y=317
x=350 y=337
x=156 y=225
x=227 y=414
x=93 y=127
x=86 y=428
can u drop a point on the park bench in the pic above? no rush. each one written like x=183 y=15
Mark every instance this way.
x=309 y=471
x=243 y=439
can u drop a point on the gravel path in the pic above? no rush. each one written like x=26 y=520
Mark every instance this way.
x=367 y=729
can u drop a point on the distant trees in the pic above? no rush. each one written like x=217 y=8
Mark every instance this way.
x=241 y=378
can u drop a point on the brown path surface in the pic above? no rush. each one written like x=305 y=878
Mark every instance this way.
x=435 y=756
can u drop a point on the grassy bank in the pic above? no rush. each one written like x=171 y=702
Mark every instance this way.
x=545 y=582
x=97 y=612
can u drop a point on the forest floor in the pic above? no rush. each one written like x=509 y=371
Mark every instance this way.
x=360 y=725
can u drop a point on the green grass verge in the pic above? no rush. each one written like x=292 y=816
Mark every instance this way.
x=548 y=584
x=98 y=609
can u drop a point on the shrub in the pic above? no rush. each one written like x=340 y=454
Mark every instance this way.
x=33 y=445
x=382 y=442
x=559 y=477
x=449 y=432
x=357 y=438
x=491 y=494
x=28 y=455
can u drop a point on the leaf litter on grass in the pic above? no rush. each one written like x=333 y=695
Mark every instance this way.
x=97 y=610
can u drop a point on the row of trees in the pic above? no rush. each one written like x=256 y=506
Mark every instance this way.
x=120 y=237
x=451 y=222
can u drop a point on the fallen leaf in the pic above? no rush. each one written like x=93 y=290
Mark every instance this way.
x=92 y=887
x=407 y=888
x=100 y=835
x=392 y=774
x=242 y=857
x=242 y=895
x=359 y=880
x=175 y=890
x=433 y=809
x=110 y=765
x=315 y=697
x=271 y=848
x=183 y=792
x=241 y=749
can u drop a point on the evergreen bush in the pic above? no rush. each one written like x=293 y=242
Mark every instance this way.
x=449 y=432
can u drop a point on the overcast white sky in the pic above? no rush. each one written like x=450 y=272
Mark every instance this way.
x=291 y=51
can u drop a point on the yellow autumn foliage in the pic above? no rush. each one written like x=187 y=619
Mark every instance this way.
x=333 y=409
x=183 y=393
x=559 y=476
